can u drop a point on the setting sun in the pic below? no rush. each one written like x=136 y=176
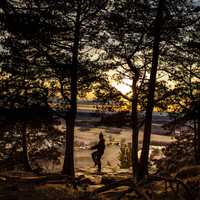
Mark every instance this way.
x=123 y=87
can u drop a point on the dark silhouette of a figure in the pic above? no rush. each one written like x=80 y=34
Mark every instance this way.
x=96 y=155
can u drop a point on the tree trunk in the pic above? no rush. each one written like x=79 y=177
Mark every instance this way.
x=151 y=91
x=198 y=133
x=68 y=166
x=197 y=140
x=135 y=129
x=25 y=154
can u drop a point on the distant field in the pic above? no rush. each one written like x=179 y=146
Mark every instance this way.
x=91 y=107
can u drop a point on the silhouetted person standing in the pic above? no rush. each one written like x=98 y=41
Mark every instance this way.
x=96 y=156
